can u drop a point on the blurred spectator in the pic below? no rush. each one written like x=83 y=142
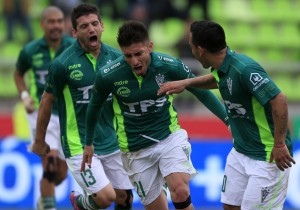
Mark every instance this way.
x=115 y=8
x=138 y=10
x=183 y=47
x=17 y=11
x=66 y=6
x=203 y=4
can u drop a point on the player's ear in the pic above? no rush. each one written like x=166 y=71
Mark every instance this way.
x=201 y=50
x=150 y=46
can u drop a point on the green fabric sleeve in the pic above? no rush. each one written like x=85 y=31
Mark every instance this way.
x=99 y=96
x=212 y=102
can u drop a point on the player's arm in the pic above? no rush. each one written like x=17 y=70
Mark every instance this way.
x=204 y=82
x=280 y=151
x=22 y=67
x=99 y=96
x=40 y=147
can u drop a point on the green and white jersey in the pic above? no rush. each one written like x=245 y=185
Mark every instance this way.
x=143 y=118
x=71 y=78
x=246 y=90
x=36 y=58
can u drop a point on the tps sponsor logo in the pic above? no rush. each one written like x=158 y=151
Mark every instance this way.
x=76 y=75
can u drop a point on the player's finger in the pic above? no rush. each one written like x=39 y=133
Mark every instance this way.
x=82 y=168
x=89 y=162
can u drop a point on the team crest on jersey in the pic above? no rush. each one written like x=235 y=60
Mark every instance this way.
x=159 y=79
x=229 y=85
x=76 y=75
x=255 y=78
x=264 y=193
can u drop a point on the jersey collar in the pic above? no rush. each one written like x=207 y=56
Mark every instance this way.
x=227 y=60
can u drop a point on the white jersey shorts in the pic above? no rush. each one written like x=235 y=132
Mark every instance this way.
x=148 y=167
x=52 y=134
x=253 y=184
x=105 y=169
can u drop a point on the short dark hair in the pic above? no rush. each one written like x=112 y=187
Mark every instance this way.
x=209 y=35
x=132 y=32
x=82 y=10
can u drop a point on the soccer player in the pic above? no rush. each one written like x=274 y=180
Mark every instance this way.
x=36 y=58
x=258 y=166
x=154 y=148
x=70 y=80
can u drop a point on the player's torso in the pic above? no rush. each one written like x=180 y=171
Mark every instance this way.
x=138 y=108
x=80 y=78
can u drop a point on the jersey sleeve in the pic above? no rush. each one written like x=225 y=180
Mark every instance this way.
x=100 y=92
x=55 y=79
x=23 y=62
x=259 y=83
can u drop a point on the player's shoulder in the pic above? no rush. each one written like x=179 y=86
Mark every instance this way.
x=159 y=57
x=68 y=39
x=34 y=46
x=110 y=50
x=113 y=68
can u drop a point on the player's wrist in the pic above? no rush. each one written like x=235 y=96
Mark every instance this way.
x=279 y=146
x=24 y=94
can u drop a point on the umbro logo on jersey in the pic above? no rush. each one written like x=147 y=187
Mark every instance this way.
x=255 y=78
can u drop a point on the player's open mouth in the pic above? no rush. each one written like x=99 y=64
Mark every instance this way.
x=138 y=68
x=93 y=40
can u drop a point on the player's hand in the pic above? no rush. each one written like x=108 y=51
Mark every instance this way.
x=40 y=149
x=87 y=157
x=171 y=87
x=282 y=157
x=28 y=104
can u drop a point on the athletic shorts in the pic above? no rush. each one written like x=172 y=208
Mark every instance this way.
x=52 y=134
x=148 y=167
x=104 y=169
x=253 y=184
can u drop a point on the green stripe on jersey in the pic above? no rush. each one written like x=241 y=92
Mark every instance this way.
x=71 y=127
x=173 y=115
x=263 y=127
x=215 y=74
x=123 y=142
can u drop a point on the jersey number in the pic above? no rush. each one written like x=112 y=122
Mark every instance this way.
x=139 y=189
x=88 y=177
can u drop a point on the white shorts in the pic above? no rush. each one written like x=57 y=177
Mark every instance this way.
x=148 y=167
x=52 y=134
x=104 y=169
x=253 y=184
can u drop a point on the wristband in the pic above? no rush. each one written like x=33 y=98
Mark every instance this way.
x=24 y=94
x=279 y=146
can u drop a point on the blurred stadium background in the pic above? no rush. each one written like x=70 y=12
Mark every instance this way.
x=267 y=30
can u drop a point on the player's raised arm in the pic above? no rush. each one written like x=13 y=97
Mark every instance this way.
x=204 y=82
